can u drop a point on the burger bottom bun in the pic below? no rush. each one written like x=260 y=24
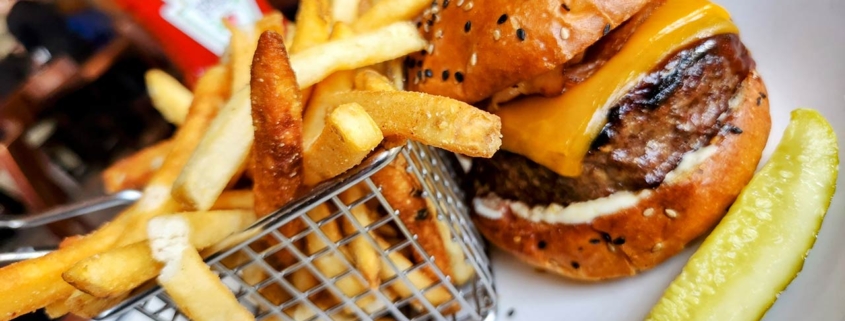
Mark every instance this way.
x=661 y=224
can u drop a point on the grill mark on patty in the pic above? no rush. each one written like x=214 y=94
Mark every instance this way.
x=675 y=109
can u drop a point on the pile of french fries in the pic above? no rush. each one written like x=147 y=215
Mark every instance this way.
x=289 y=106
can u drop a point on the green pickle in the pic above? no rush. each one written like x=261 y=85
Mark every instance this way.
x=760 y=245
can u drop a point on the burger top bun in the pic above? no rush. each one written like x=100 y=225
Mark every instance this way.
x=479 y=47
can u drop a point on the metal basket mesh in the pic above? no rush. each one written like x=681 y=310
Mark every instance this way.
x=248 y=267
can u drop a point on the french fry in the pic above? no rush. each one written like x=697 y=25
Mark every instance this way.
x=219 y=155
x=273 y=21
x=241 y=48
x=391 y=42
x=345 y=11
x=32 y=284
x=168 y=96
x=386 y=12
x=227 y=142
x=349 y=137
x=87 y=306
x=315 y=113
x=461 y=271
x=368 y=79
x=135 y=171
x=197 y=292
x=122 y=269
x=437 y=121
x=404 y=194
x=277 y=119
x=313 y=24
x=56 y=310
x=331 y=265
x=366 y=257
x=235 y=200
x=419 y=280
x=396 y=73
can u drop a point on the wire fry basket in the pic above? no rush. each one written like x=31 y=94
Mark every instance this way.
x=275 y=294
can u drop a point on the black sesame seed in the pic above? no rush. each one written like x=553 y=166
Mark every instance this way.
x=606 y=29
x=424 y=52
x=606 y=237
x=419 y=74
x=520 y=33
x=459 y=76
x=759 y=101
x=575 y=265
x=422 y=214
x=511 y=312
x=619 y=240
x=565 y=7
x=445 y=4
x=429 y=73
x=445 y=75
x=735 y=130
x=419 y=24
x=541 y=245
x=595 y=241
x=430 y=22
x=467 y=26
x=763 y=95
x=502 y=18
x=419 y=63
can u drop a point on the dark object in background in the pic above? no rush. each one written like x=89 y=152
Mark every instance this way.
x=37 y=24
x=14 y=69
x=9 y=205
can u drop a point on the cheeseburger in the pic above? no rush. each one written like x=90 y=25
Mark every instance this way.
x=629 y=126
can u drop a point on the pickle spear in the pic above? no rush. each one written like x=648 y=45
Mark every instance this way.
x=760 y=245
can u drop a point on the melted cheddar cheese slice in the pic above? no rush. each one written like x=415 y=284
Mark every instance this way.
x=557 y=132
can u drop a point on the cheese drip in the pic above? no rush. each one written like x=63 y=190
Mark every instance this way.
x=557 y=132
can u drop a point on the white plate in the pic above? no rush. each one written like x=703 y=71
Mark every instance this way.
x=800 y=51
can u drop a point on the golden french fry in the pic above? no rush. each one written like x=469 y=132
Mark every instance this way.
x=135 y=171
x=345 y=11
x=396 y=73
x=33 y=284
x=235 y=200
x=168 y=96
x=241 y=48
x=87 y=306
x=228 y=141
x=314 y=118
x=273 y=21
x=365 y=256
x=350 y=135
x=368 y=79
x=391 y=42
x=277 y=119
x=331 y=265
x=122 y=269
x=197 y=291
x=386 y=12
x=418 y=278
x=56 y=309
x=219 y=155
x=461 y=271
x=313 y=24
x=404 y=194
x=433 y=120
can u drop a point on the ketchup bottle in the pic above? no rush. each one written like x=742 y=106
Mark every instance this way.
x=191 y=32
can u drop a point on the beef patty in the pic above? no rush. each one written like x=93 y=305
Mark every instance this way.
x=675 y=109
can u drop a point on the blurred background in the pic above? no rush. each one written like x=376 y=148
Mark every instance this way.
x=73 y=97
